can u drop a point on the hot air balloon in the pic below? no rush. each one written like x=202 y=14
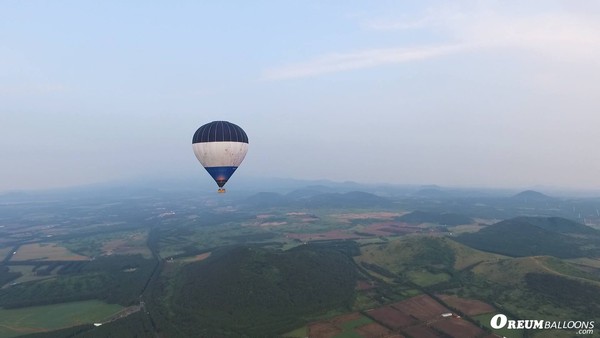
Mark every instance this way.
x=220 y=146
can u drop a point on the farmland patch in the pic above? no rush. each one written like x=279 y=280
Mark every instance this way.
x=345 y=325
x=46 y=252
x=457 y=327
x=470 y=307
x=421 y=307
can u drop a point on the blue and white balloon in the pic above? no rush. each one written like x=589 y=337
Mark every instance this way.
x=220 y=146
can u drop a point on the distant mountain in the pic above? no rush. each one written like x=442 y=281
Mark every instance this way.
x=430 y=192
x=309 y=191
x=266 y=200
x=442 y=218
x=533 y=236
x=353 y=199
x=531 y=195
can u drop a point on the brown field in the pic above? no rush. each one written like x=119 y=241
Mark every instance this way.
x=465 y=228
x=296 y=213
x=422 y=307
x=272 y=224
x=362 y=285
x=133 y=243
x=387 y=228
x=338 y=327
x=266 y=220
x=46 y=252
x=458 y=328
x=303 y=216
x=323 y=236
x=419 y=316
x=345 y=318
x=332 y=327
x=376 y=229
x=470 y=307
x=196 y=258
x=421 y=331
x=367 y=215
x=390 y=317
x=323 y=330
x=374 y=330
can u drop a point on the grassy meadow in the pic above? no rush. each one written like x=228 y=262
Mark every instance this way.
x=46 y=251
x=16 y=322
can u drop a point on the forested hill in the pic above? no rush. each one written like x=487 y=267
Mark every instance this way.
x=560 y=225
x=532 y=236
x=241 y=291
x=531 y=195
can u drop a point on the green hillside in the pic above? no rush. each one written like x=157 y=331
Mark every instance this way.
x=419 y=252
x=531 y=195
x=403 y=254
x=560 y=225
x=534 y=236
x=424 y=261
x=562 y=291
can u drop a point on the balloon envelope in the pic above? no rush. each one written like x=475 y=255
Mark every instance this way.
x=220 y=146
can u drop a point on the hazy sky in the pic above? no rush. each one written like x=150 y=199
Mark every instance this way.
x=477 y=93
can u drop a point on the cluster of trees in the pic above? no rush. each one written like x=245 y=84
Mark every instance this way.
x=566 y=292
x=522 y=237
x=114 y=279
x=6 y=275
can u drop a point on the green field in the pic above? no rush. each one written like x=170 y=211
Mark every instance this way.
x=426 y=278
x=34 y=319
x=115 y=243
x=351 y=325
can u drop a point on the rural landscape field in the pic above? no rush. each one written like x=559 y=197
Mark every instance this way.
x=314 y=260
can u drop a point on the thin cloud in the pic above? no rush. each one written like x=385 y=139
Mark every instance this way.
x=569 y=34
x=565 y=36
x=562 y=35
x=338 y=62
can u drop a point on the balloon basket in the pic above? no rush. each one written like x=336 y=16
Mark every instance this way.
x=221 y=191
